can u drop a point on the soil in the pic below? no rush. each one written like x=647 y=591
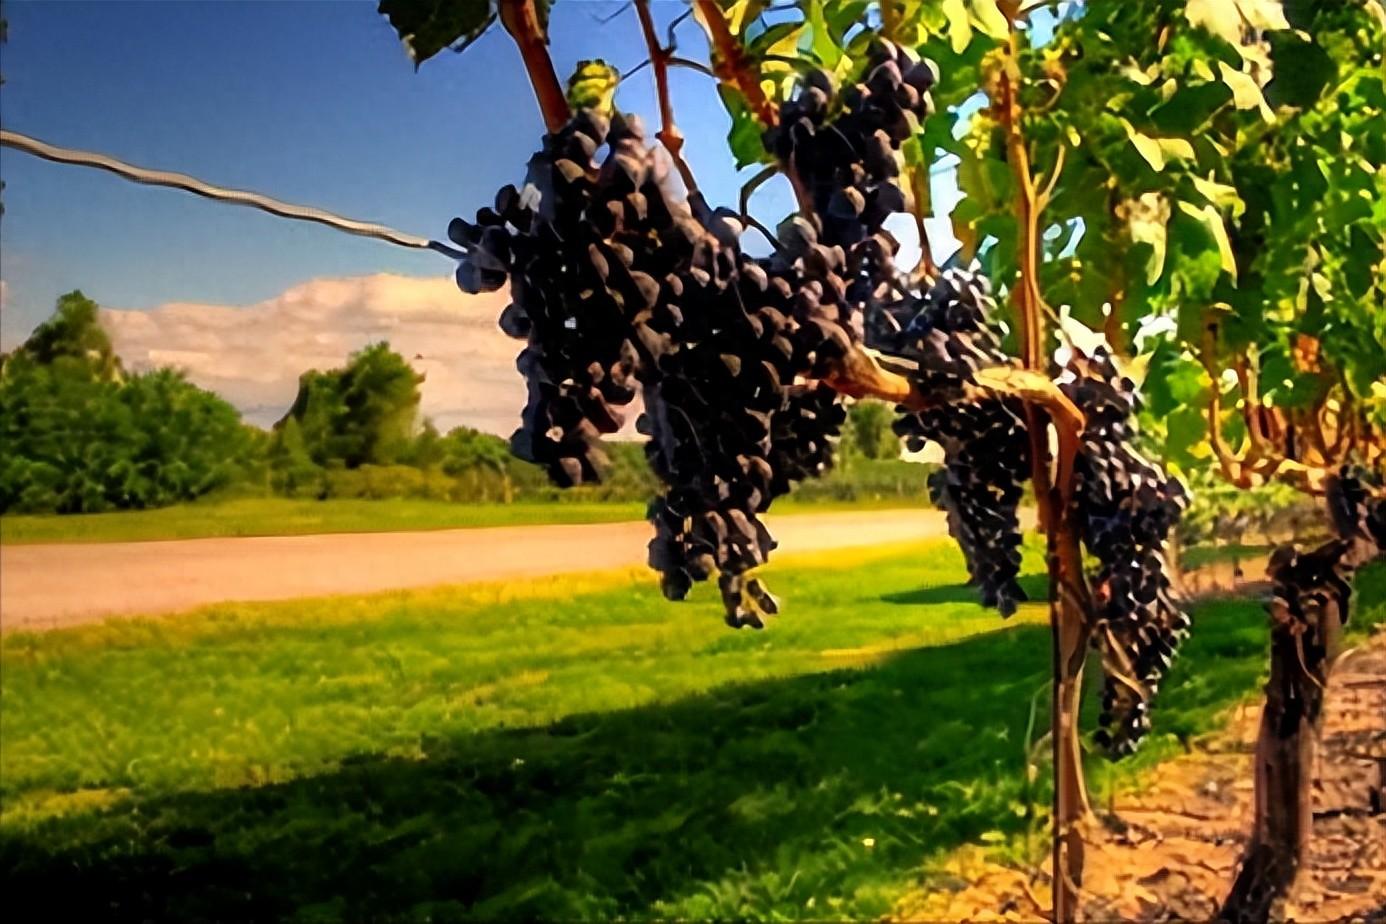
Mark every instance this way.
x=1170 y=851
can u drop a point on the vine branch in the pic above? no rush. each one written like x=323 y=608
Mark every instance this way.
x=521 y=20
x=730 y=64
x=732 y=67
x=668 y=134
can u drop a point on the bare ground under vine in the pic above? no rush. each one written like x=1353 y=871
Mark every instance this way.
x=1169 y=851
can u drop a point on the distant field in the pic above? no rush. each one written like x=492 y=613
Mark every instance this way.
x=277 y=516
x=560 y=748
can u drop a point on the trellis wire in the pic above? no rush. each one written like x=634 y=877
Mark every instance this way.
x=61 y=155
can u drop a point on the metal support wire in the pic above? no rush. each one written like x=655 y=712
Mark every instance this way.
x=195 y=186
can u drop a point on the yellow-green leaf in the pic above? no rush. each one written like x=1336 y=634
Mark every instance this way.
x=1210 y=218
x=1220 y=195
x=1147 y=221
x=824 y=45
x=990 y=19
x=1146 y=146
x=593 y=85
x=1175 y=147
x=741 y=13
x=1220 y=17
x=1246 y=93
x=959 y=24
x=1263 y=14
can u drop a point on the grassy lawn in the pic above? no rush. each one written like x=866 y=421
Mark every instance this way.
x=278 y=516
x=566 y=748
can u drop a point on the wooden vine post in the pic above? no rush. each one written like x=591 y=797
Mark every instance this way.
x=1309 y=605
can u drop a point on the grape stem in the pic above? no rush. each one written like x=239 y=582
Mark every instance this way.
x=668 y=134
x=521 y=20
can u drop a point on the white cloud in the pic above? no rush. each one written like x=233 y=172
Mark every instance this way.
x=253 y=355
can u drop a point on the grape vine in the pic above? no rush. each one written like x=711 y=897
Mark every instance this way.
x=622 y=284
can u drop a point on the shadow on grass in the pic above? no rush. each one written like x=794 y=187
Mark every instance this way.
x=815 y=796
x=1036 y=587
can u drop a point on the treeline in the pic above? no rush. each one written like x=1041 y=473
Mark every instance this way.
x=81 y=434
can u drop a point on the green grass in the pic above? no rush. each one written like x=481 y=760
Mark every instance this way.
x=278 y=516
x=566 y=748
x=1200 y=556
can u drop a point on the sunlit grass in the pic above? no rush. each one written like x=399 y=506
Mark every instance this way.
x=571 y=747
x=279 y=516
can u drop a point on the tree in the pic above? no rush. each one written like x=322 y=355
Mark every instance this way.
x=361 y=414
x=77 y=436
x=872 y=436
x=292 y=469
x=74 y=339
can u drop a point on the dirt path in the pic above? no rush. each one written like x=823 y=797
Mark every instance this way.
x=49 y=586
x=1171 y=850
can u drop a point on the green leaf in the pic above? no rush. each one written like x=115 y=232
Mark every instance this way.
x=825 y=46
x=428 y=26
x=1186 y=432
x=1211 y=220
x=744 y=138
x=1302 y=70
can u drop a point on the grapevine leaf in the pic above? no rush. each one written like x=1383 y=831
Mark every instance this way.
x=1149 y=216
x=825 y=46
x=990 y=19
x=1246 y=93
x=1220 y=195
x=1175 y=147
x=428 y=27
x=959 y=24
x=1263 y=15
x=1209 y=218
x=1148 y=147
x=1220 y=17
x=744 y=138
x=741 y=13
x=1186 y=432
x=1302 y=70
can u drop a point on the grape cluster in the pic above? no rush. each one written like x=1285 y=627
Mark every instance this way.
x=575 y=298
x=729 y=429
x=621 y=287
x=842 y=145
x=1125 y=508
x=986 y=448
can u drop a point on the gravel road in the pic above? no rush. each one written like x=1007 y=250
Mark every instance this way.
x=51 y=586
